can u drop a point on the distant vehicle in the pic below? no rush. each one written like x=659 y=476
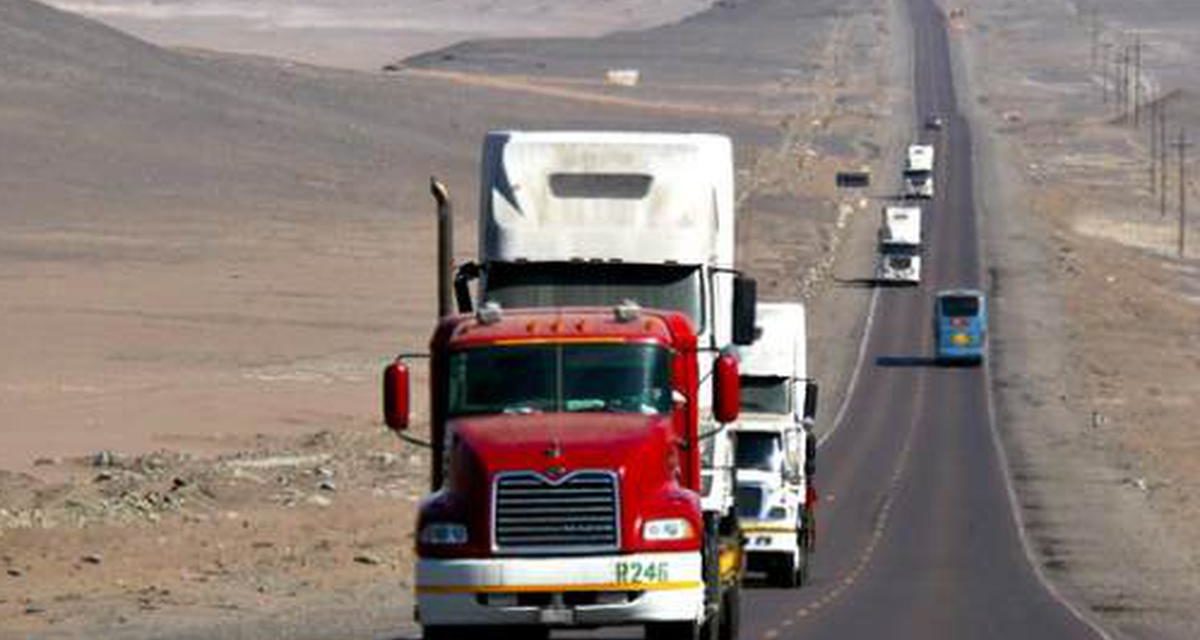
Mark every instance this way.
x=899 y=257
x=918 y=171
x=775 y=448
x=960 y=326
x=934 y=123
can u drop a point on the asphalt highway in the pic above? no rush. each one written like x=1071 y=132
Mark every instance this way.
x=918 y=537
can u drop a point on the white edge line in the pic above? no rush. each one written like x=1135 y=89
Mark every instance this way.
x=979 y=203
x=1086 y=618
x=853 y=384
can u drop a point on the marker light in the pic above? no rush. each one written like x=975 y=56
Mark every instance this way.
x=627 y=311
x=666 y=529
x=489 y=313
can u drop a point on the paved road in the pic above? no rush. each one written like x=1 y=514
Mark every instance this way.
x=920 y=540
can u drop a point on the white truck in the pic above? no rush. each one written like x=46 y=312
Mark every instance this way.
x=596 y=219
x=918 y=171
x=775 y=448
x=899 y=255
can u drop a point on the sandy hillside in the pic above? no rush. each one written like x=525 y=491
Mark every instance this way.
x=207 y=259
x=363 y=34
x=1103 y=407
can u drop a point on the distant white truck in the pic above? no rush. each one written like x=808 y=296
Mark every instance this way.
x=918 y=171
x=899 y=257
x=775 y=450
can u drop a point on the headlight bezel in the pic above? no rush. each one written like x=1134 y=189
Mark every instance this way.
x=444 y=534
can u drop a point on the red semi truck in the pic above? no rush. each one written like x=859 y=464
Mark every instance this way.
x=566 y=476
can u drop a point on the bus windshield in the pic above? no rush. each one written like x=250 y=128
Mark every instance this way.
x=960 y=306
x=622 y=378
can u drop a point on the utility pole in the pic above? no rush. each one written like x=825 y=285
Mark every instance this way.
x=1104 y=72
x=1137 y=78
x=1162 y=157
x=1095 y=36
x=1122 y=81
x=1182 y=146
x=1153 y=144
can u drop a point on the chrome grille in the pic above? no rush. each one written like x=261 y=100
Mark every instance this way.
x=534 y=514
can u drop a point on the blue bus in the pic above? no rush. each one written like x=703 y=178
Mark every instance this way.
x=960 y=326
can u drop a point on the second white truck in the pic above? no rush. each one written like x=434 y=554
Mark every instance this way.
x=899 y=256
x=775 y=450
x=918 y=171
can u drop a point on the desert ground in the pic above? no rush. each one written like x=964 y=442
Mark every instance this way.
x=1099 y=374
x=208 y=257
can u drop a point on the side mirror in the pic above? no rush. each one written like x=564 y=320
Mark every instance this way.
x=396 y=396
x=727 y=389
x=810 y=400
x=745 y=303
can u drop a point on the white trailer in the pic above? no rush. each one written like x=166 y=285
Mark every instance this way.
x=899 y=256
x=775 y=449
x=918 y=171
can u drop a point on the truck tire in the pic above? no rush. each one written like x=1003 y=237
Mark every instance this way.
x=731 y=614
x=446 y=632
x=673 y=631
x=802 y=567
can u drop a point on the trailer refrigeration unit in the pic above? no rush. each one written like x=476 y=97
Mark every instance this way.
x=566 y=450
x=571 y=218
x=775 y=448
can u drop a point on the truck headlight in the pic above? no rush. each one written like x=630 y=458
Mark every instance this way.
x=443 y=533
x=667 y=529
x=777 y=513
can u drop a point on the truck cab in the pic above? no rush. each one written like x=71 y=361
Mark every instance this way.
x=918 y=171
x=570 y=218
x=775 y=448
x=899 y=257
x=567 y=475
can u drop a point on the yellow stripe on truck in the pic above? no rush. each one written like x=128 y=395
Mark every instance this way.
x=768 y=529
x=557 y=588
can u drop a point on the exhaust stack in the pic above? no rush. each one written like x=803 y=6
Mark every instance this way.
x=445 y=238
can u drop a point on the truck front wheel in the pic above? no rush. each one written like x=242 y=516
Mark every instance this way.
x=441 y=632
x=673 y=631
x=731 y=614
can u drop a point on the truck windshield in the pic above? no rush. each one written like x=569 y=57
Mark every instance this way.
x=918 y=176
x=960 y=306
x=623 y=378
x=761 y=451
x=899 y=249
x=765 y=394
x=570 y=284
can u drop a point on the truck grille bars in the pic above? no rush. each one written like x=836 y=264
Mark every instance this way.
x=533 y=514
